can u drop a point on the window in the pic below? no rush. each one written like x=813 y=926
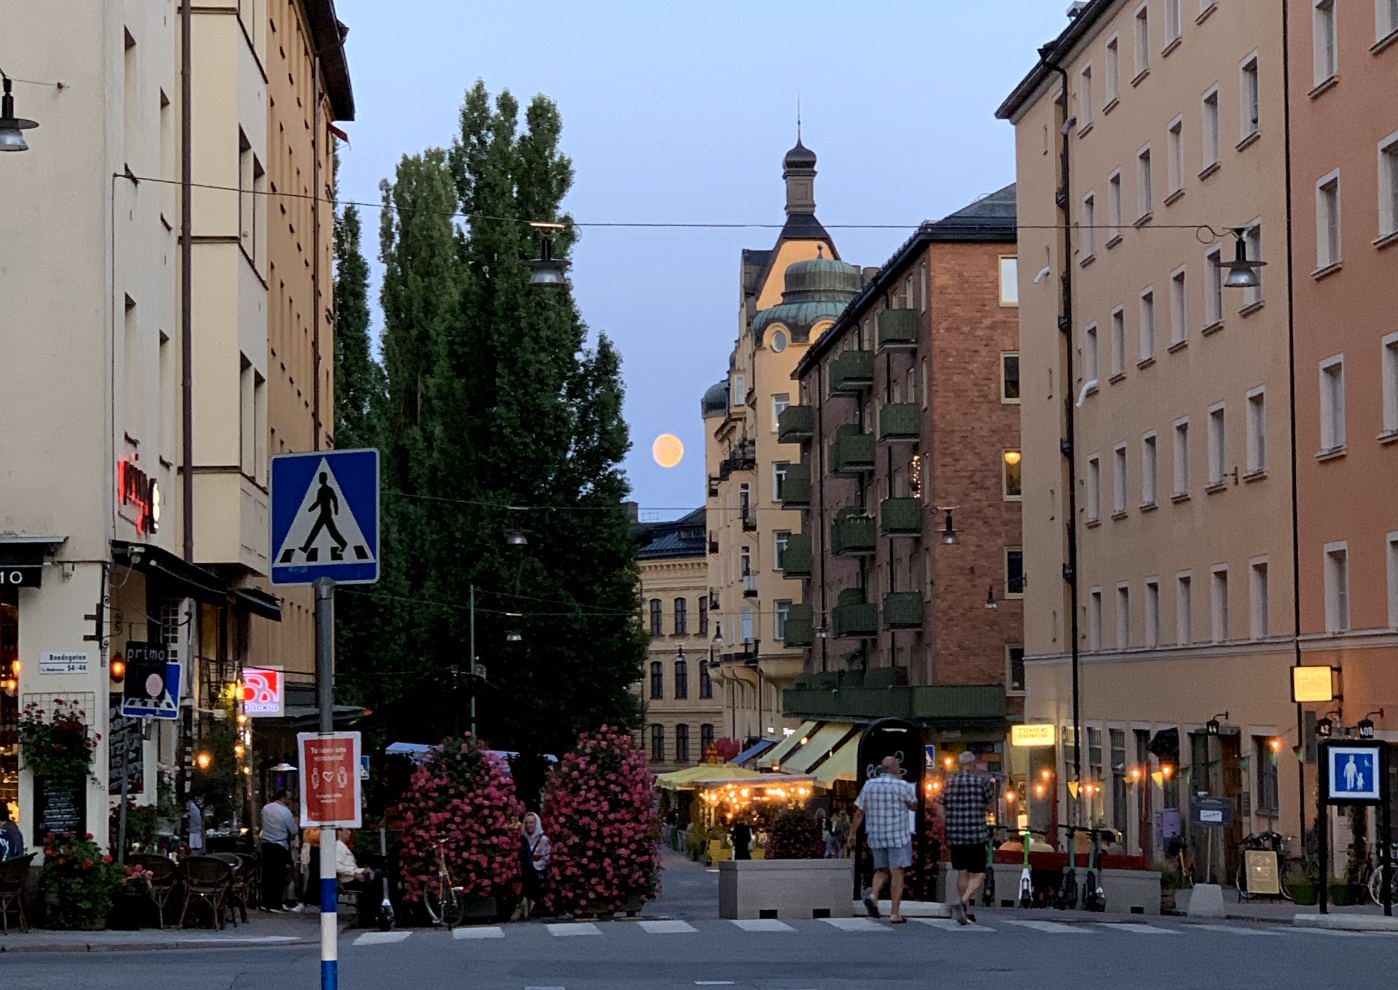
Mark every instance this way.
x=1213 y=286
x=1210 y=127
x=922 y=287
x=1014 y=657
x=1392 y=547
x=1123 y=616
x=1327 y=220
x=1257 y=431
x=1085 y=97
x=1267 y=796
x=1152 y=612
x=1149 y=486
x=1144 y=200
x=657 y=680
x=1174 y=164
x=1332 y=403
x=1220 y=604
x=1014 y=572
x=1119 y=478
x=1011 y=461
x=655 y=618
x=1090 y=357
x=131 y=115
x=1112 y=83
x=779 y=404
x=1114 y=205
x=1385 y=18
x=1336 y=587
x=1182 y=457
x=1009 y=281
x=1172 y=22
x=1009 y=378
x=703 y=615
x=681 y=678
x=1389 y=360
x=706 y=739
x=1094 y=772
x=746 y=619
x=1253 y=241
x=706 y=681
x=1179 y=307
x=780 y=540
x=1259 y=620
x=247 y=415
x=657 y=743
x=1323 y=40
x=1388 y=183
x=1218 y=452
x=1094 y=619
x=1184 y=610
x=681 y=743
x=1118 y=342
x=1142 y=39
x=779 y=469
x=781 y=609
x=740 y=389
x=1247 y=97
x=681 y=617
x=1003 y=369
x=1089 y=226
x=1094 y=489
x=1117 y=738
x=1148 y=323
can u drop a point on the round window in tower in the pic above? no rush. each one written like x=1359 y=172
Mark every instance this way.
x=779 y=340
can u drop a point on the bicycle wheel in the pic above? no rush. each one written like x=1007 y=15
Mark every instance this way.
x=451 y=907
x=1292 y=869
x=1240 y=880
x=432 y=898
x=1375 y=886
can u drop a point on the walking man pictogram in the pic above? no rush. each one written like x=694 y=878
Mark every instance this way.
x=328 y=506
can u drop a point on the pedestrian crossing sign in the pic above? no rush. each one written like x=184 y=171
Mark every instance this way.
x=325 y=517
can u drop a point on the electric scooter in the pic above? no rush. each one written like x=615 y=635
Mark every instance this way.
x=386 y=907
x=988 y=888
x=1067 y=896
x=1093 y=897
x=1026 y=885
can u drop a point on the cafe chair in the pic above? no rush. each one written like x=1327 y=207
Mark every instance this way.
x=206 y=881
x=164 y=873
x=13 y=874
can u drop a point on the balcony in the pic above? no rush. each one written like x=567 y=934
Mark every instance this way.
x=742 y=456
x=800 y=626
x=852 y=452
x=899 y=422
x=851 y=372
x=853 y=617
x=747 y=514
x=713 y=485
x=794 y=492
x=796 y=561
x=902 y=610
x=853 y=536
x=796 y=423
x=749 y=585
x=900 y=517
x=897 y=330
x=961 y=705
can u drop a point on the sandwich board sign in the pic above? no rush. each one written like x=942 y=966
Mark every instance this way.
x=325 y=517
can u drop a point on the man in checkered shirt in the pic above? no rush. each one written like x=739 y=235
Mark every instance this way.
x=966 y=798
x=883 y=806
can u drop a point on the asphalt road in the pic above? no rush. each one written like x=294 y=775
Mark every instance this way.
x=1169 y=954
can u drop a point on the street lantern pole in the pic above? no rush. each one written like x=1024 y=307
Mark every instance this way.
x=325 y=695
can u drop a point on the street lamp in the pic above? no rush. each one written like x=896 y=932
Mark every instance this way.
x=990 y=597
x=516 y=538
x=949 y=535
x=10 y=126
x=1242 y=273
x=546 y=269
x=1212 y=726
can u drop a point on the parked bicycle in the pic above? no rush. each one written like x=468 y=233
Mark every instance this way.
x=1267 y=842
x=1374 y=878
x=442 y=897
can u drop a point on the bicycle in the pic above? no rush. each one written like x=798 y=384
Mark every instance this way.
x=442 y=898
x=1268 y=841
x=1374 y=882
x=1179 y=853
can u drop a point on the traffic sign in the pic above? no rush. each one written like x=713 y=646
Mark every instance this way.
x=1354 y=776
x=325 y=517
x=152 y=684
x=330 y=778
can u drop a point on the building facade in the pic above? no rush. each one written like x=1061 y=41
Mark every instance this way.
x=684 y=713
x=1145 y=392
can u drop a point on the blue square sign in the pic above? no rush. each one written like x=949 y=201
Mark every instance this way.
x=1354 y=772
x=325 y=517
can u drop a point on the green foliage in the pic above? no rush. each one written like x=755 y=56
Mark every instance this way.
x=140 y=826
x=59 y=746
x=217 y=786
x=82 y=876
x=795 y=834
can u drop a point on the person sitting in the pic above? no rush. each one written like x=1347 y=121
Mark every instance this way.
x=352 y=877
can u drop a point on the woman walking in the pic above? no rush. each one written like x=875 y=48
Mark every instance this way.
x=534 y=853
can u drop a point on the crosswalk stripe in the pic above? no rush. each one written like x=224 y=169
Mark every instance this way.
x=378 y=938
x=667 y=927
x=1052 y=927
x=1346 y=934
x=947 y=925
x=763 y=925
x=855 y=924
x=1234 y=929
x=574 y=928
x=492 y=931
x=1136 y=929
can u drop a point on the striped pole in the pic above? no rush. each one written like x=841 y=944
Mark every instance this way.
x=325 y=680
x=329 y=950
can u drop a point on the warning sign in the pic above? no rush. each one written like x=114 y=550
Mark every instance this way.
x=329 y=779
x=325 y=517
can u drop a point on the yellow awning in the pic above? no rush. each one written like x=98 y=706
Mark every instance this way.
x=842 y=765
x=820 y=745
x=778 y=753
x=704 y=771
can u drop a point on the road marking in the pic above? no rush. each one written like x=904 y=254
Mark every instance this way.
x=947 y=925
x=1234 y=929
x=1136 y=929
x=1344 y=934
x=713 y=983
x=377 y=938
x=545 y=988
x=488 y=932
x=855 y=924
x=241 y=938
x=573 y=928
x=1051 y=927
x=764 y=925
x=667 y=927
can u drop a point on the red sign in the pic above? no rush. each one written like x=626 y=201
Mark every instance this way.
x=262 y=691
x=329 y=779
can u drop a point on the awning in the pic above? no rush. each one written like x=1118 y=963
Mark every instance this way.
x=842 y=765
x=785 y=747
x=1166 y=745
x=259 y=602
x=830 y=735
x=753 y=751
x=709 y=772
x=178 y=577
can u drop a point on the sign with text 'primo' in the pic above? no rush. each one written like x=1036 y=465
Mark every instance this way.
x=325 y=517
x=329 y=779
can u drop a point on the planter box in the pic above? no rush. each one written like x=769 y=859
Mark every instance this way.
x=785 y=888
x=1304 y=892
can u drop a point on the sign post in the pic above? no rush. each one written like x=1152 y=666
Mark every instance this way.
x=1354 y=773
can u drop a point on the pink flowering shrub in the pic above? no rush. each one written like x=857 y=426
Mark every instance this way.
x=463 y=798
x=600 y=810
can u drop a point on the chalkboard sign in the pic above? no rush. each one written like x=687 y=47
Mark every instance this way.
x=60 y=805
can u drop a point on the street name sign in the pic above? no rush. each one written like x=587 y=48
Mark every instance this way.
x=325 y=517
x=329 y=779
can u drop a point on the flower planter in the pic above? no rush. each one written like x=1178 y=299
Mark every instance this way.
x=785 y=888
x=1346 y=894
x=1304 y=892
x=131 y=911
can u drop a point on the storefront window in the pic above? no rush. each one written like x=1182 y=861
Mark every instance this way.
x=9 y=700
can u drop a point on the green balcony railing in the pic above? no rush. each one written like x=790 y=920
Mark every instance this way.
x=796 y=423
x=851 y=372
x=900 y=517
x=897 y=330
x=902 y=610
x=852 y=452
x=853 y=536
x=796 y=561
x=854 y=618
x=794 y=492
x=800 y=626
x=899 y=422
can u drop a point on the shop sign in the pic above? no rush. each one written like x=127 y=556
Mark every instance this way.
x=63 y=663
x=140 y=490
x=1032 y=735
x=262 y=692
x=1311 y=684
x=21 y=575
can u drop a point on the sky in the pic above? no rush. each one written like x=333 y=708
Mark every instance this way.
x=681 y=112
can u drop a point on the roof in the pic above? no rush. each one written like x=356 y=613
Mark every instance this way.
x=328 y=41
x=816 y=290
x=683 y=537
x=715 y=400
x=1079 y=27
x=991 y=218
x=800 y=156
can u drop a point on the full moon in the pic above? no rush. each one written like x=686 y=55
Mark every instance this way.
x=667 y=450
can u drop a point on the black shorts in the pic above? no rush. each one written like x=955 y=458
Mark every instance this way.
x=969 y=858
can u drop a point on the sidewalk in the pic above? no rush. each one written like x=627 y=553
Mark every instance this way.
x=262 y=929
x=1278 y=911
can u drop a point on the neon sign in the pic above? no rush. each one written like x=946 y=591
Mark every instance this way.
x=140 y=490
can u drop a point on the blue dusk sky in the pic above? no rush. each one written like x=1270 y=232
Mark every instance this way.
x=681 y=112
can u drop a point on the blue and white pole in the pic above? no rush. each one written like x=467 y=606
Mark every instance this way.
x=325 y=687
x=329 y=950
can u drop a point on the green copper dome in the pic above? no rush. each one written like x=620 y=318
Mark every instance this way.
x=816 y=290
x=715 y=401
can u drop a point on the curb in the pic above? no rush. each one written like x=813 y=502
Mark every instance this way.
x=1347 y=922
x=231 y=943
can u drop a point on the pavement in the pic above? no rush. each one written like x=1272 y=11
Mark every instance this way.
x=262 y=929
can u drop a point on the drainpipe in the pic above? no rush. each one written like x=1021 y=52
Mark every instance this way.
x=186 y=281
x=316 y=307
x=818 y=524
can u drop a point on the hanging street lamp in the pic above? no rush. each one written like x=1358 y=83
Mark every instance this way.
x=1242 y=273
x=949 y=534
x=11 y=127
x=546 y=269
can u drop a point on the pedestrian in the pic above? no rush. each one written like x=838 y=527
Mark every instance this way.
x=965 y=799
x=195 y=819
x=883 y=806
x=839 y=830
x=534 y=852
x=741 y=837
x=11 y=841
x=278 y=831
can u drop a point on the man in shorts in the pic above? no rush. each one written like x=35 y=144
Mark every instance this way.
x=966 y=798
x=883 y=806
